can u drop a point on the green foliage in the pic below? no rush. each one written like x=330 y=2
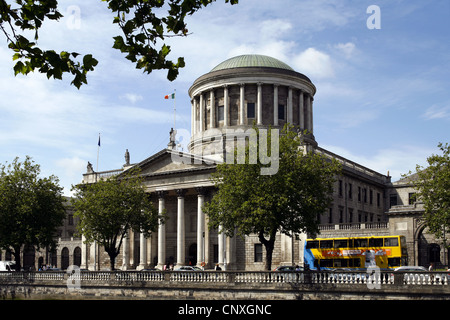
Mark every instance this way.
x=289 y=201
x=109 y=208
x=142 y=31
x=433 y=189
x=31 y=208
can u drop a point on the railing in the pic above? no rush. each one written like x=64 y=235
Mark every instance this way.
x=371 y=277
x=350 y=226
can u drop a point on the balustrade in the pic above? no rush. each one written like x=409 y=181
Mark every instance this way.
x=370 y=277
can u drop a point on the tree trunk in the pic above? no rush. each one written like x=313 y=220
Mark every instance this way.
x=112 y=262
x=112 y=257
x=269 y=245
x=16 y=254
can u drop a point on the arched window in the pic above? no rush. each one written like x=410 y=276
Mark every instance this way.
x=64 y=258
x=77 y=256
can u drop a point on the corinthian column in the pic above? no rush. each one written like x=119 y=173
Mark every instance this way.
x=226 y=107
x=259 y=104
x=180 y=228
x=212 y=118
x=200 y=226
x=241 y=104
x=161 y=232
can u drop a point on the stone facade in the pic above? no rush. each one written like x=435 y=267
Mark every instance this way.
x=237 y=94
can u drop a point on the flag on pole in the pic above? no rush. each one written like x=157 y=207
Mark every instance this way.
x=99 y=139
x=170 y=96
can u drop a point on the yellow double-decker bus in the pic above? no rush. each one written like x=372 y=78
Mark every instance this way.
x=356 y=252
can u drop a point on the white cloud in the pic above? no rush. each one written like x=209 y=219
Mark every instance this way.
x=314 y=63
x=347 y=49
x=133 y=98
x=437 y=112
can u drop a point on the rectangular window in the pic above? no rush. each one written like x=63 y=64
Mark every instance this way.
x=375 y=242
x=281 y=113
x=326 y=244
x=392 y=200
x=258 y=252
x=411 y=198
x=251 y=110
x=350 y=191
x=359 y=193
x=340 y=188
x=341 y=244
x=360 y=243
x=391 y=242
x=378 y=199
x=314 y=244
x=220 y=113
x=371 y=196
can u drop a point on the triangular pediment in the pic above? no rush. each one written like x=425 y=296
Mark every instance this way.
x=167 y=161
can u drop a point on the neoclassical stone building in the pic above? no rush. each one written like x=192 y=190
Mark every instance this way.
x=226 y=102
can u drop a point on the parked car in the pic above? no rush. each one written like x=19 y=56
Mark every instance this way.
x=410 y=268
x=7 y=265
x=188 y=268
x=417 y=273
x=289 y=268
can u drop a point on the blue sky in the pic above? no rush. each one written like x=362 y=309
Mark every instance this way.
x=383 y=95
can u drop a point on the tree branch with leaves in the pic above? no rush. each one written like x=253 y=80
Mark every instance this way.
x=143 y=28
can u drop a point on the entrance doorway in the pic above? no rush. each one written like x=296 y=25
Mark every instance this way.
x=192 y=257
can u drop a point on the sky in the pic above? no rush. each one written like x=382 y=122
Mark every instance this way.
x=382 y=76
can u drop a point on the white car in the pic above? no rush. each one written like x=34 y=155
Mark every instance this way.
x=410 y=268
x=421 y=276
x=188 y=268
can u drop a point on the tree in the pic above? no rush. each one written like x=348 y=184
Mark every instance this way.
x=31 y=208
x=289 y=201
x=108 y=209
x=143 y=35
x=433 y=189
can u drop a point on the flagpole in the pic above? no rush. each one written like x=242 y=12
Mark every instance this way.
x=98 y=149
x=174 y=108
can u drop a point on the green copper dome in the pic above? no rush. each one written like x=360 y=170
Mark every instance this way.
x=251 y=60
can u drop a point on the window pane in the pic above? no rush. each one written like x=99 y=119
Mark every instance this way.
x=258 y=252
x=375 y=242
x=220 y=113
x=391 y=242
x=341 y=243
x=360 y=243
x=312 y=244
x=250 y=110
x=281 y=115
x=326 y=244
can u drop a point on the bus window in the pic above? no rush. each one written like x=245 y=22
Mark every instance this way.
x=326 y=244
x=403 y=241
x=390 y=242
x=394 y=262
x=355 y=263
x=360 y=243
x=326 y=263
x=341 y=263
x=375 y=242
x=341 y=244
x=313 y=244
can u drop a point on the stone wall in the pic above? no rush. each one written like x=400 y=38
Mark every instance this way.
x=277 y=289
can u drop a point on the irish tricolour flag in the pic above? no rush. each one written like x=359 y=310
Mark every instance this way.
x=170 y=96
